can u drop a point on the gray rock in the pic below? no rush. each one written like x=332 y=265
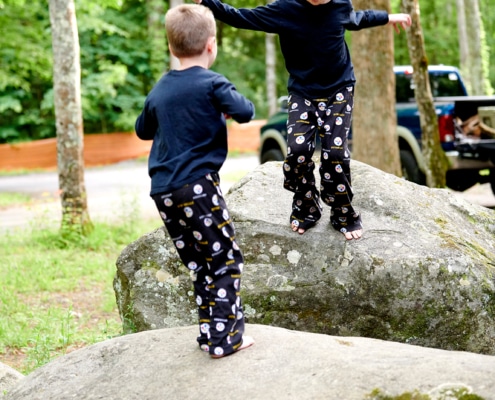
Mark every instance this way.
x=282 y=364
x=9 y=377
x=423 y=273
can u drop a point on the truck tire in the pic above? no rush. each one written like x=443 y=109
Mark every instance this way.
x=492 y=181
x=272 y=155
x=410 y=169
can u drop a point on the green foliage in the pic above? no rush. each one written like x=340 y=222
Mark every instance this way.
x=25 y=54
x=114 y=67
x=115 y=72
x=120 y=58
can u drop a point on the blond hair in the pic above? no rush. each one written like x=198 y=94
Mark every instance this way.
x=188 y=28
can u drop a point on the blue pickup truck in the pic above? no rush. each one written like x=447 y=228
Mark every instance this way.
x=466 y=128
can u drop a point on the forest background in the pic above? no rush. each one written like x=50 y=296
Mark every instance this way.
x=124 y=52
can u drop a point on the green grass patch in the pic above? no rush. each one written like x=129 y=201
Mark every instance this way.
x=15 y=172
x=57 y=293
x=8 y=199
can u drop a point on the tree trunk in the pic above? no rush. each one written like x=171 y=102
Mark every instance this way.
x=68 y=113
x=157 y=37
x=463 y=44
x=271 y=78
x=174 y=61
x=374 y=137
x=473 y=25
x=435 y=160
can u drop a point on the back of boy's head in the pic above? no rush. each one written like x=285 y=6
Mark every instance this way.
x=188 y=28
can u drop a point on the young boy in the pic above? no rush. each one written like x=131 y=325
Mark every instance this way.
x=184 y=116
x=321 y=84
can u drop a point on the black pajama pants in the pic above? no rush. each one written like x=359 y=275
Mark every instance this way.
x=199 y=224
x=329 y=118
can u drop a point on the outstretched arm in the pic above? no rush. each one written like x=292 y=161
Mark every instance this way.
x=263 y=18
x=398 y=20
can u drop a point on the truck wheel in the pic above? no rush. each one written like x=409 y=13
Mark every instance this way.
x=272 y=155
x=410 y=170
x=492 y=182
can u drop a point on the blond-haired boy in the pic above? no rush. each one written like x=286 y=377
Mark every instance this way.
x=184 y=115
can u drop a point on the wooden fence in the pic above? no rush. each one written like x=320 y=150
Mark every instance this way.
x=109 y=148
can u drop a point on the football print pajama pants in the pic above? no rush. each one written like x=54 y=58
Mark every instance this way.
x=199 y=224
x=330 y=118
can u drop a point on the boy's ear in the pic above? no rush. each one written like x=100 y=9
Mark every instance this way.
x=210 y=43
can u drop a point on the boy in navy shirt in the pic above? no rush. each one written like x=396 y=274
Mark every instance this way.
x=184 y=115
x=321 y=87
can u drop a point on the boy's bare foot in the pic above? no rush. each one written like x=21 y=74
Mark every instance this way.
x=247 y=341
x=357 y=234
x=301 y=227
x=295 y=228
x=346 y=222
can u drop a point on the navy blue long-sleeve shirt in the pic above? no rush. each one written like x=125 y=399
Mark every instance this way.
x=184 y=116
x=311 y=38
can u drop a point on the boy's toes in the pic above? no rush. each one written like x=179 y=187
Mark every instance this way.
x=357 y=234
x=295 y=227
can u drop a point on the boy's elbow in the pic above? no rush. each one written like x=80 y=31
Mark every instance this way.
x=247 y=116
x=141 y=133
x=144 y=135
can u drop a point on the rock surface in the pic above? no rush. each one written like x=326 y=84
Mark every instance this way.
x=423 y=273
x=9 y=377
x=282 y=364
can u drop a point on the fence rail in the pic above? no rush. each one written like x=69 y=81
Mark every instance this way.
x=109 y=148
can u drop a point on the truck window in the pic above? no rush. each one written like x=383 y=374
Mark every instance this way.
x=445 y=84
x=442 y=84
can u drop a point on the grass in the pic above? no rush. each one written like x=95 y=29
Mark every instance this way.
x=12 y=199
x=57 y=294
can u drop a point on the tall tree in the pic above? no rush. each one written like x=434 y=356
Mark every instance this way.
x=475 y=42
x=435 y=159
x=271 y=77
x=156 y=36
x=174 y=61
x=463 y=43
x=374 y=120
x=68 y=113
x=473 y=50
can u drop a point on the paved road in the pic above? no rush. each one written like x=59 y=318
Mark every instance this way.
x=114 y=192
x=120 y=190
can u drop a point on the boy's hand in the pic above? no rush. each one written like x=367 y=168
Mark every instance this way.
x=397 y=20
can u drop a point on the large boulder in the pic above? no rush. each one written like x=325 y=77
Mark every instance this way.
x=422 y=274
x=9 y=377
x=282 y=364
